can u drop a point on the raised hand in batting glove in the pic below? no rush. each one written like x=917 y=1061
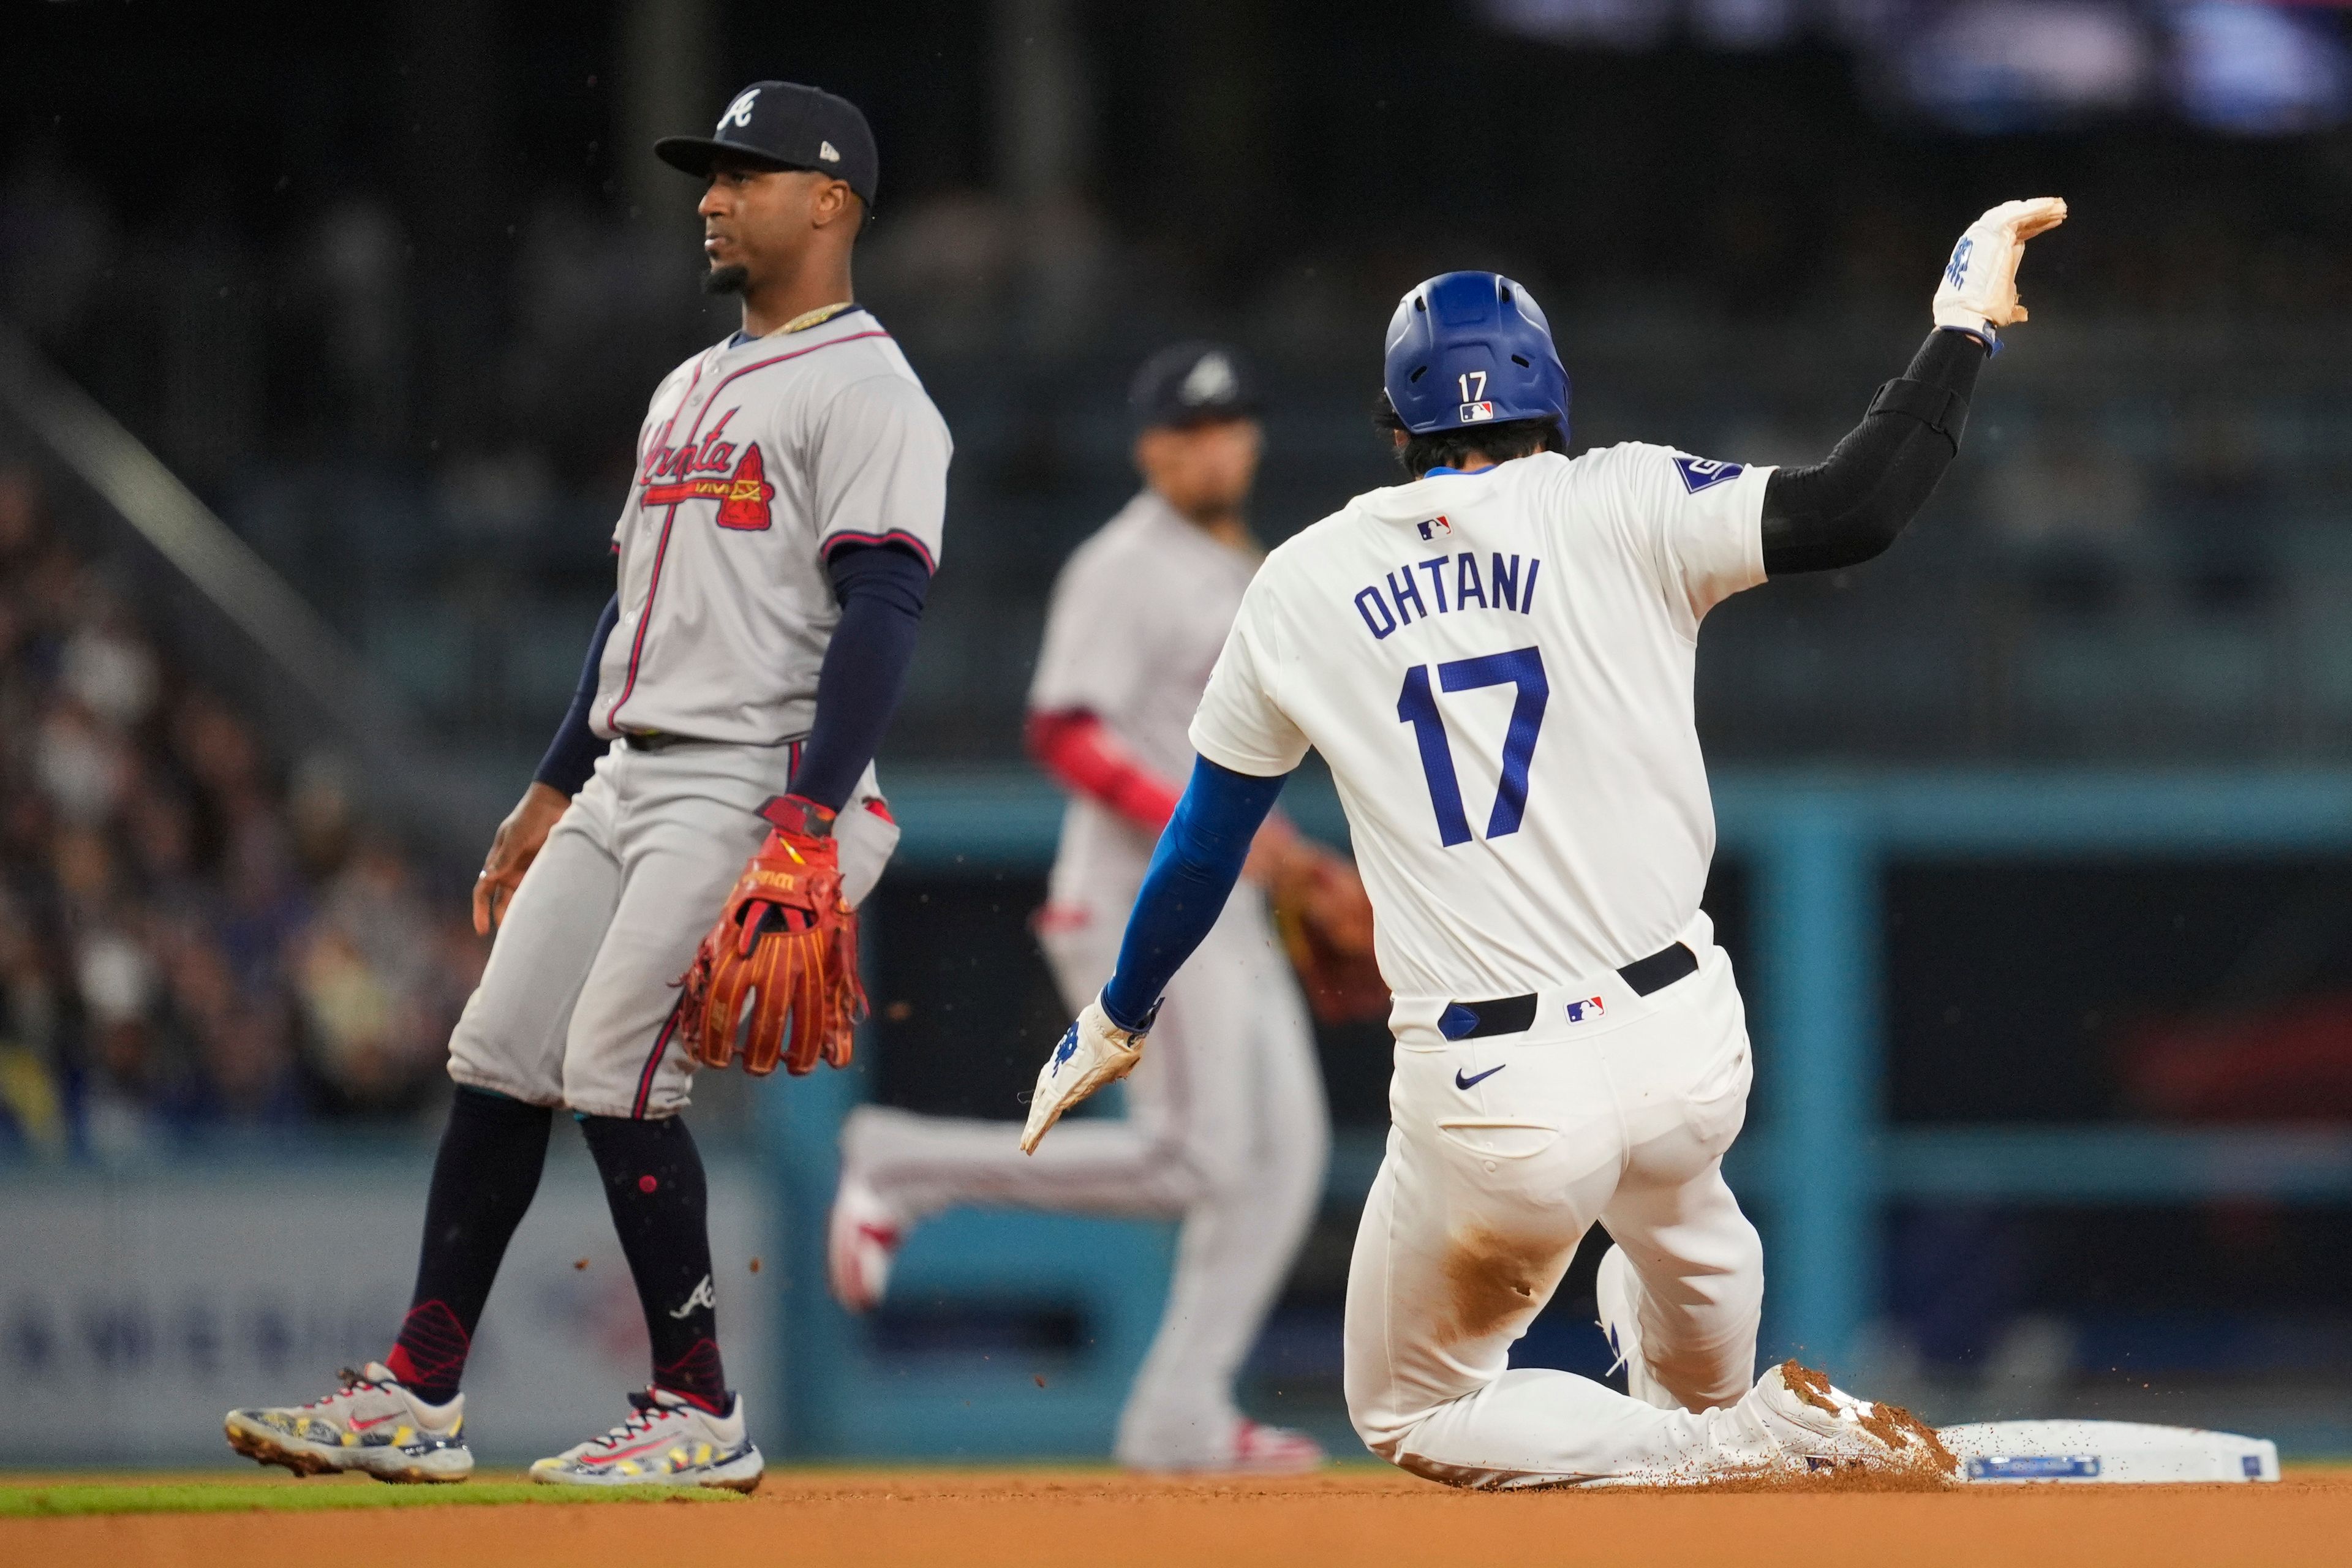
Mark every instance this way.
x=1094 y=1051
x=781 y=966
x=1979 y=293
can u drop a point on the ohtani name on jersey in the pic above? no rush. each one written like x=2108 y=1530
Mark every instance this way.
x=1401 y=599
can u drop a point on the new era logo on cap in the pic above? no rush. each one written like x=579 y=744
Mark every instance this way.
x=828 y=152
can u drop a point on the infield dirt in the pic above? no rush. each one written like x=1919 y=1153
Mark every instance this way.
x=1045 y=1518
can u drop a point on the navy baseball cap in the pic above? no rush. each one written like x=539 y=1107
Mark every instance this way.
x=1191 y=384
x=791 y=126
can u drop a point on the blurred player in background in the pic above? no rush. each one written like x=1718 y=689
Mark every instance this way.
x=1227 y=1128
x=773 y=558
x=1496 y=659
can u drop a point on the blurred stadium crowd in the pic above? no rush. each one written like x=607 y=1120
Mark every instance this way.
x=190 y=944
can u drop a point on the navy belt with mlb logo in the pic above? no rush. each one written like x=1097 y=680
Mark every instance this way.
x=1517 y=1015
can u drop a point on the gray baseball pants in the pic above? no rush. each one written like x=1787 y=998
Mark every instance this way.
x=1226 y=1130
x=578 y=1004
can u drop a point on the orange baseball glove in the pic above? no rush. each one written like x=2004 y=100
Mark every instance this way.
x=1325 y=923
x=783 y=955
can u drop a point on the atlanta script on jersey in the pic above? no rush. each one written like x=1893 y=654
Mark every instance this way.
x=757 y=459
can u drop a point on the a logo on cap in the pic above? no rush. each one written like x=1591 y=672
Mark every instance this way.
x=828 y=152
x=1209 y=381
x=739 y=111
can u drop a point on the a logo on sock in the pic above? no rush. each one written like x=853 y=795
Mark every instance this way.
x=704 y=1296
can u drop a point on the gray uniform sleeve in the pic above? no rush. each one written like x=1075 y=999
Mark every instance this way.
x=881 y=469
x=1096 y=652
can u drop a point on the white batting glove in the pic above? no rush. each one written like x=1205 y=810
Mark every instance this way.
x=1094 y=1051
x=1979 y=289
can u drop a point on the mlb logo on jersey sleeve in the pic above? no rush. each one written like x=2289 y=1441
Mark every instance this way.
x=1477 y=413
x=1699 y=473
x=1584 y=1012
x=1434 y=528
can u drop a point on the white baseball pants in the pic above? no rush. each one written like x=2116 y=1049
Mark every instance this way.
x=1501 y=1153
x=1227 y=1129
x=578 y=1003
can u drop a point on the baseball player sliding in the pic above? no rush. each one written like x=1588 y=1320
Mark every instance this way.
x=1227 y=1127
x=1495 y=659
x=773 y=558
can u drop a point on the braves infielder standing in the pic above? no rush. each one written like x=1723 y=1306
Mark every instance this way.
x=773 y=558
x=1496 y=659
x=1227 y=1127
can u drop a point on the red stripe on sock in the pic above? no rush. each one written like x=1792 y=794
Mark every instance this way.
x=697 y=1377
x=429 y=1353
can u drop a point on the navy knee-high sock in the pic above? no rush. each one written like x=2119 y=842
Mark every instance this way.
x=654 y=1184
x=483 y=1180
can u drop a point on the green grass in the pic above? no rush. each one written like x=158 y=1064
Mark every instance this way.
x=52 y=1499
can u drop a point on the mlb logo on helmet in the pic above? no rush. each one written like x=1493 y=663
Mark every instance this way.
x=1477 y=413
x=1430 y=528
x=1585 y=1011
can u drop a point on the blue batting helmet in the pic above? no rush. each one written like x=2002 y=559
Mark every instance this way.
x=1467 y=348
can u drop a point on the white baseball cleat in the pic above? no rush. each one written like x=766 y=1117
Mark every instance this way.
x=371 y=1423
x=1818 y=1427
x=862 y=1240
x=1256 y=1449
x=666 y=1442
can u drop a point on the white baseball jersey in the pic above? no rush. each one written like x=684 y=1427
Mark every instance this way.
x=1497 y=667
x=1137 y=619
x=756 y=459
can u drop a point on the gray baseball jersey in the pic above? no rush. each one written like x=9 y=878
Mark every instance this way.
x=1226 y=1124
x=757 y=459
x=1137 y=620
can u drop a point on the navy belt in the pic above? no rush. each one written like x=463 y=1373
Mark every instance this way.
x=1517 y=1015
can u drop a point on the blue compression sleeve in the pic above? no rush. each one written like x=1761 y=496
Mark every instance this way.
x=881 y=589
x=1193 y=873
x=571 y=755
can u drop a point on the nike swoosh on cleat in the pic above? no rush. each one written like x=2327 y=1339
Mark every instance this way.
x=372 y=1421
x=1461 y=1082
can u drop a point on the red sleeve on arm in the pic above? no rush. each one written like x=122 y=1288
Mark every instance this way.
x=1086 y=759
